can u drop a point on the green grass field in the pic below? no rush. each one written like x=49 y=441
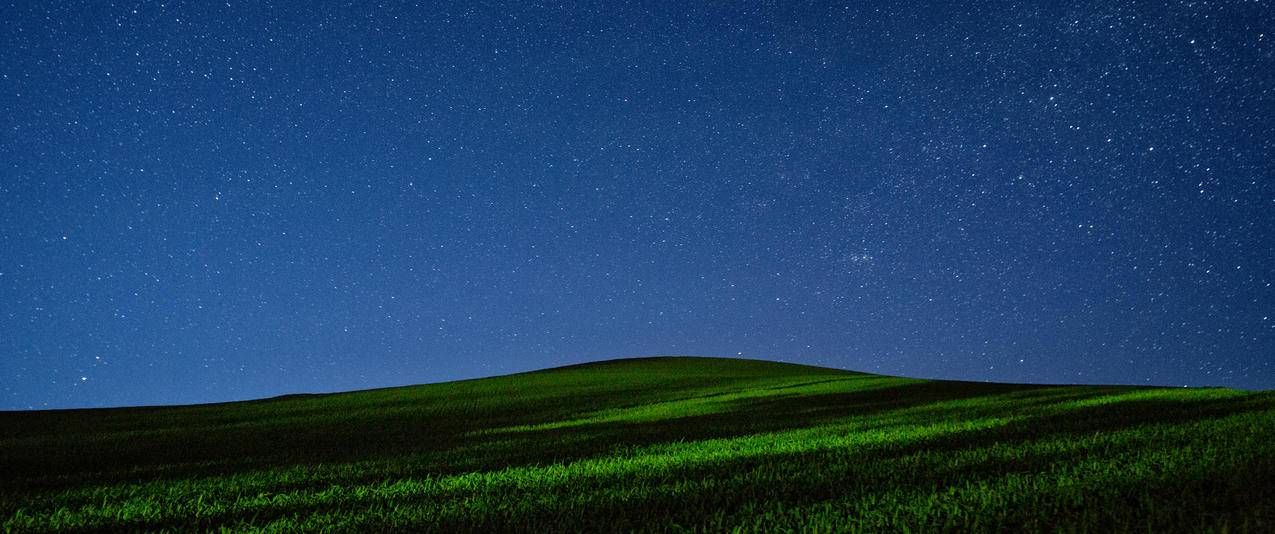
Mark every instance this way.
x=663 y=444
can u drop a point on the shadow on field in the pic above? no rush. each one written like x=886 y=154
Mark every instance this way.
x=1015 y=415
x=436 y=441
x=1031 y=413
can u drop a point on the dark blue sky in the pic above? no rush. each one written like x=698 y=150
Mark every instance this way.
x=205 y=201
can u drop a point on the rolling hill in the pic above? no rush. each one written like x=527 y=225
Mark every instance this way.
x=657 y=444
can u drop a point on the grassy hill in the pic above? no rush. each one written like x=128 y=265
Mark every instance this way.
x=657 y=444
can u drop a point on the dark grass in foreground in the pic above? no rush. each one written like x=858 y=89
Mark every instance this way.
x=657 y=444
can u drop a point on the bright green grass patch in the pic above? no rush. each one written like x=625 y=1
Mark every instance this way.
x=657 y=444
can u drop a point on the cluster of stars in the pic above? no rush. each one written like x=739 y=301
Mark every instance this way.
x=233 y=200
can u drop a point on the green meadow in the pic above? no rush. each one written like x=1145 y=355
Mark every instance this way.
x=657 y=444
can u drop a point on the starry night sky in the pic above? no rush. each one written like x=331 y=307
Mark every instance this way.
x=207 y=201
